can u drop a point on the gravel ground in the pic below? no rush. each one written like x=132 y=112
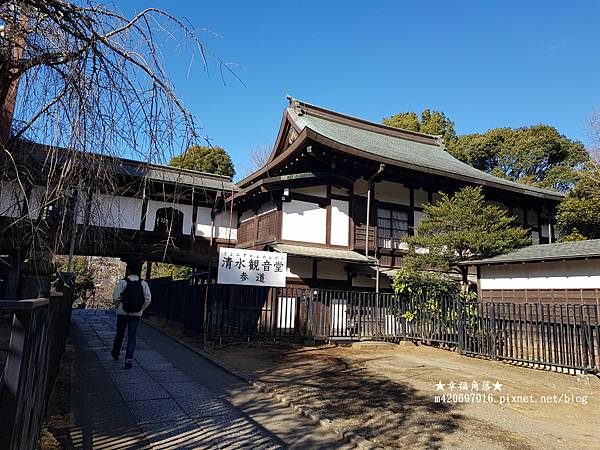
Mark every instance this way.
x=388 y=395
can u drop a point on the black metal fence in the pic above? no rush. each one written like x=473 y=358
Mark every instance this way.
x=547 y=334
x=37 y=342
x=562 y=335
x=234 y=312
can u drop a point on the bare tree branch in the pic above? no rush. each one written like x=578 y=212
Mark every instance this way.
x=92 y=87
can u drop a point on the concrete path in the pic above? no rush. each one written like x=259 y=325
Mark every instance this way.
x=172 y=399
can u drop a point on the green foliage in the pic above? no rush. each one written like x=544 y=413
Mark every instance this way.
x=431 y=122
x=161 y=270
x=406 y=121
x=408 y=283
x=205 y=159
x=84 y=279
x=578 y=216
x=538 y=155
x=420 y=292
x=459 y=228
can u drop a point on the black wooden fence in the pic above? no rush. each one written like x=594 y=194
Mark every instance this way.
x=37 y=342
x=547 y=334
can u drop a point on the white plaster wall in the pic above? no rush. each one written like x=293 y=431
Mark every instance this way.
x=363 y=282
x=340 y=222
x=299 y=267
x=368 y=282
x=339 y=190
x=222 y=225
x=36 y=201
x=114 y=211
x=11 y=197
x=572 y=274
x=303 y=221
x=203 y=224
x=532 y=218
x=360 y=187
x=331 y=270
x=518 y=212
x=421 y=197
x=317 y=191
x=418 y=217
x=154 y=205
x=390 y=192
x=545 y=228
x=80 y=207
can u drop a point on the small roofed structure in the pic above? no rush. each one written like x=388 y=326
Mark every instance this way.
x=566 y=272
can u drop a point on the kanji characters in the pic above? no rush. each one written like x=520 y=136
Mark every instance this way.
x=227 y=262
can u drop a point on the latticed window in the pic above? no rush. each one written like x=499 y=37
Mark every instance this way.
x=392 y=227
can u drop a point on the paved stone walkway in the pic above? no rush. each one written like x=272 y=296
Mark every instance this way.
x=172 y=398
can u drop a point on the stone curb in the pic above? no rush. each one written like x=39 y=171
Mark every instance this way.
x=347 y=436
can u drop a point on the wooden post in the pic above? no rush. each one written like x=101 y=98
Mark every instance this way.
x=208 y=281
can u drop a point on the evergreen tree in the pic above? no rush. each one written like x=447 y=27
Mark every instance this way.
x=460 y=228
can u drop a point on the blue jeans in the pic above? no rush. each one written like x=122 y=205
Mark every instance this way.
x=131 y=323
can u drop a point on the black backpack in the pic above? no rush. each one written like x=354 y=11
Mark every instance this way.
x=132 y=297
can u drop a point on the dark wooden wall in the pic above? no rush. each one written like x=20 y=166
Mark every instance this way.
x=563 y=296
x=259 y=230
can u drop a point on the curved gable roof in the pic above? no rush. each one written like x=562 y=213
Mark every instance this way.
x=406 y=148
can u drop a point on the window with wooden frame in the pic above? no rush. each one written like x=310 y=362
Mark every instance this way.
x=392 y=227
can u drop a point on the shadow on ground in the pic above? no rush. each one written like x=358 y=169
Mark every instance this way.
x=389 y=413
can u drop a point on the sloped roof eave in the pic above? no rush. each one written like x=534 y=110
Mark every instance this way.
x=534 y=192
x=323 y=253
x=559 y=251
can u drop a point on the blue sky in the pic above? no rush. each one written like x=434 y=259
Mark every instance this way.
x=486 y=64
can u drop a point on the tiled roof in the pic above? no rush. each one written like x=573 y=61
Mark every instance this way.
x=189 y=177
x=156 y=172
x=545 y=252
x=322 y=253
x=414 y=149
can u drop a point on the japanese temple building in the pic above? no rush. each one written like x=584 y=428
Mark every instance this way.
x=337 y=195
x=334 y=183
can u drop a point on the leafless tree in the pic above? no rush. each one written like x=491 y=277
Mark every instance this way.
x=594 y=133
x=257 y=158
x=82 y=84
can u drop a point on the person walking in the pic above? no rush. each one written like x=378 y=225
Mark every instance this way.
x=132 y=296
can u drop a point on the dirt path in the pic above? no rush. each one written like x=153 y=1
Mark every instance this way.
x=389 y=396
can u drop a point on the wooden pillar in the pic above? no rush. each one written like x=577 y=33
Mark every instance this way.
x=328 y=217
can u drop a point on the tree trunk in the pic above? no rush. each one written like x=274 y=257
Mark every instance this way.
x=10 y=83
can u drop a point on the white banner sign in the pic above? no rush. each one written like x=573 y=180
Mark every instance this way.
x=251 y=267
